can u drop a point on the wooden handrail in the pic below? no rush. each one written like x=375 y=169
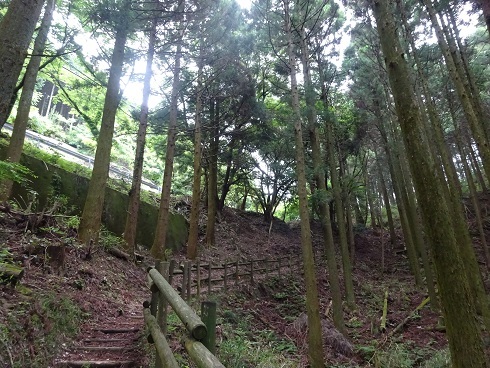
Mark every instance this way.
x=201 y=356
x=162 y=293
x=161 y=344
x=186 y=314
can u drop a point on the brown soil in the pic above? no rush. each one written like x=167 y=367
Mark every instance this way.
x=110 y=292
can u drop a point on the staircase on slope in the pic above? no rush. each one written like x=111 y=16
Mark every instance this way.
x=112 y=343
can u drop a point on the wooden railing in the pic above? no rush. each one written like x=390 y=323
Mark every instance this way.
x=194 y=278
x=200 y=344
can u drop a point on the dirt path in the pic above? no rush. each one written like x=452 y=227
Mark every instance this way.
x=113 y=341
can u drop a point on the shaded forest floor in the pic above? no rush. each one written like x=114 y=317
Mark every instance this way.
x=53 y=307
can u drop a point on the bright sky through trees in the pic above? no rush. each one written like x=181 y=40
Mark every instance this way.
x=245 y=4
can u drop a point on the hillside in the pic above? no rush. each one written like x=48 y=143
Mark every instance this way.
x=54 y=307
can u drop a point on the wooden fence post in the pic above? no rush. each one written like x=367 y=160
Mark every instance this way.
x=171 y=270
x=208 y=316
x=184 y=281
x=162 y=267
x=155 y=296
x=154 y=299
x=161 y=312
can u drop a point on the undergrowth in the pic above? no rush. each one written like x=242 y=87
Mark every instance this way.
x=243 y=346
x=406 y=355
x=37 y=327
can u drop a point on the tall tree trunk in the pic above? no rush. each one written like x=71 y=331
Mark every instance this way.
x=50 y=100
x=134 y=193
x=159 y=243
x=361 y=218
x=16 y=143
x=398 y=186
x=212 y=197
x=476 y=166
x=416 y=227
x=339 y=209
x=196 y=184
x=315 y=344
x=319 y=174
x=16 y=29
x=369 y=195
x=460 y=59
x=474 y=200
x=477 y=128
x=243 y=204
x=90 y=222
x=464 y=335
x=346 y=201
x=467 y=251
x=386 y=200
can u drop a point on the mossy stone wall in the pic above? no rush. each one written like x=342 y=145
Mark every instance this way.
x=52 y=181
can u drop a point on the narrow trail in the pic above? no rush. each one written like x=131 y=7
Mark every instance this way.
x=108 y=341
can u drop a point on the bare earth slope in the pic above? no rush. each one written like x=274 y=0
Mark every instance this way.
x=102 y=293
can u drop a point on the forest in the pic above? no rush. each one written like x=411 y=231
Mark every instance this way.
x=358 y=116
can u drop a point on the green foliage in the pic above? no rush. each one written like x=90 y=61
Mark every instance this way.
x=38 y=327
x=265 y=350
x=243 y=346
x=366 y=351
x=397 y=356
x=5 y=255
x=72 y=222
x=439 y=359
x=110 y=240
x=15 y=172
x=406 y=355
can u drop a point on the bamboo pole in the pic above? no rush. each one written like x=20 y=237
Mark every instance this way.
x=186 y=314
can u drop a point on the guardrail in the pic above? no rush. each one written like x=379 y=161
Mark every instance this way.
x=89 y=160
x=200 y=344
